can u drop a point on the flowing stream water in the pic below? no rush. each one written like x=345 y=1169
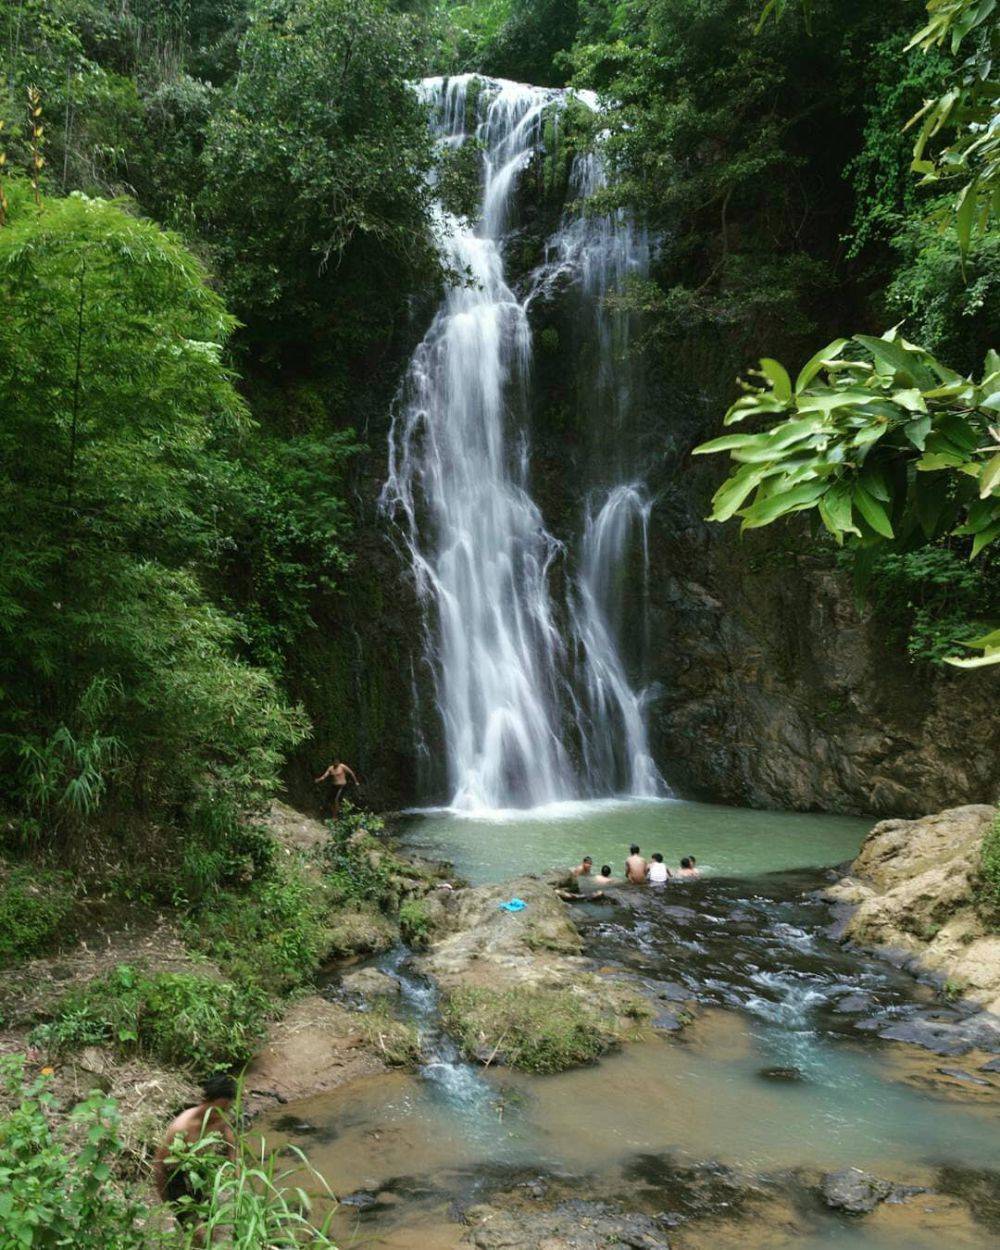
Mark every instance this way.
x=718 y=1130
x=534 y=698
x=664 y=1125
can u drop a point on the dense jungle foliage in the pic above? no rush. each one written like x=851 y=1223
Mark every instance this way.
x=215 y=247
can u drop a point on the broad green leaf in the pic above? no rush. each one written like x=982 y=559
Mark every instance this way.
x=976 y=661
x=830 y=400
x=769 y=510
x=836 y=511
x=916 y=431
x=984 y=538
x=815 y=363
x=965 y=211
x=728 y=499
x=873 y=511
x=899 y=360
x=911 y=400
x=777 y=375
x=726 y=442
x=989 y=479
x=873 y=480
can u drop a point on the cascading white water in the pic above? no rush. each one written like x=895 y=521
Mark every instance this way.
x=457 y=484
x=614 y=738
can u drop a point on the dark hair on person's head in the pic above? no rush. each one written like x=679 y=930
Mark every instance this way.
x=693 y=860
x=686 y=862
x=219 y=1086
x=633 y=849
x=587 y=859
x=605 y=870
x=658 y=857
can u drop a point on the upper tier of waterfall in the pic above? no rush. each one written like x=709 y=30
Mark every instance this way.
x=533 y=695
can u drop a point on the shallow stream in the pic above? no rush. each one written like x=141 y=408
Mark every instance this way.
x=714 y=1126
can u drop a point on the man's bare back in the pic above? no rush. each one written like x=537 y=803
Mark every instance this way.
x=192 y=1125
x=635 y=868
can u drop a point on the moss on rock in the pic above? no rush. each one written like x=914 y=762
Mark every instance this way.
x=537 y=1030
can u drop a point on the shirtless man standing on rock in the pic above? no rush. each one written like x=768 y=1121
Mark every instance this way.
x=338 y=773
x=173 y=1183
x=635 y=866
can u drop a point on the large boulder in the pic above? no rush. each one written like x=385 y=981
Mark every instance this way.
x=515 y=986
x=913 y=888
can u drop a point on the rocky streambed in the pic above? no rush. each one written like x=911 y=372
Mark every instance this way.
x=672 y=1068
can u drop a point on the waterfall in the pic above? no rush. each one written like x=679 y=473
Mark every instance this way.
x=516 y=726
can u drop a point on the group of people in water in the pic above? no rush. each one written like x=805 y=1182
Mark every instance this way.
x=639 y=870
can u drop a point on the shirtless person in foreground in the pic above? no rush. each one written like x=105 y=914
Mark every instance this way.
x=635 y=866
x=338 y=774
x=172 y=1182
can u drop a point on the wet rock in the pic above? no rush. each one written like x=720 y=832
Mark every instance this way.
x=851 y=1003
x=960 y=1074
x=781 y=1074
x=361 y=1199
x=942 y=1039
x=854 y=1191
x=946 y=1033
x=316 y=1047
x=292 y=1124
x=370 y=983
x=669 y=1021
x=683 y=915
x=672 y=991
x=993 y=1065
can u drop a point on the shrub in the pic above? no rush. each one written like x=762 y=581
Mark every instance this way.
x=415 y=923
x=989 y=872
x=55 y=1194
x=273 y=934
x=178 y=1018
x=536 y=1030
x=52 y=1193
x=34 y=906
x=356 y=867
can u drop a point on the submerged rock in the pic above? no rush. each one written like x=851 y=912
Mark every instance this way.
x=572 y=1225
x=781 y=1074
x=854 y=1191
x=960 y=1074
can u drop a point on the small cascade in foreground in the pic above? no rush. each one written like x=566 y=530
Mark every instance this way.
x=527 y=719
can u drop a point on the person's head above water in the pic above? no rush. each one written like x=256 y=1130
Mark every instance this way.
x=219 y=1089
x=633 y=849
x=587 y=859
x=657 y=857
x=605 y=870
x=687 y=862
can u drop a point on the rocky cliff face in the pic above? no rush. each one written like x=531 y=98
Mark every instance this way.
x=914 y=889
x=777 y=690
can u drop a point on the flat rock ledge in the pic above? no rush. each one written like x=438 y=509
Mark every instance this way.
x=912 y=894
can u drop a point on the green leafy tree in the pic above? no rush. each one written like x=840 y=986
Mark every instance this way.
x=884 y=442
x=119 y=677
x=317 y=201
